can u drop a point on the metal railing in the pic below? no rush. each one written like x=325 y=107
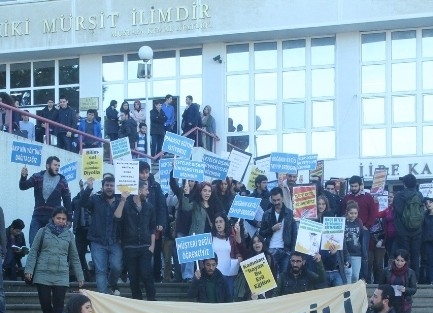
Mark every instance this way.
x=48 y=123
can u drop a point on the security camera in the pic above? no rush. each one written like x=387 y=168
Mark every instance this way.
x=218 y=59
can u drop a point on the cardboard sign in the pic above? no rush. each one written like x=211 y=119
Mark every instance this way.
x=188 y=169
x=304 y=202
x=26 y=153
x=92 y=163
x=126 y=176
x=194 y=248
x=258 y=274
x=333 y=232
x=284 y=163
x=69 y=171
x=379 y=181
x=263 y=163
x=215 y=167
x=177 y=145
x=244 y=207
x=383 y=203
x=307 y=162
x=309 y=235
x=426 y=190
x=254 y=172
x=120 y=149
x=239 y=161
x=319 y=171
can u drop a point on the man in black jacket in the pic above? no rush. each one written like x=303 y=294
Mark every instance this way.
x=298 y=278
x=112 y=122
x=128 y=128
x=190 y=119
x=137 y=226
x=208 y=285
x=279 y=229
x=51 y=113
x=67 y=117
x=157 y=199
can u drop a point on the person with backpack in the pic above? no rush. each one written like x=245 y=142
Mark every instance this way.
x=408 y=219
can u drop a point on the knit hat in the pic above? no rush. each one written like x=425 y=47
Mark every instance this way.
x=75 y=303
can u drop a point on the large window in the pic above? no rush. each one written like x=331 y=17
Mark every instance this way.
x=176 y=72
x=280 y=96
x=34 y=83
x=397 y=93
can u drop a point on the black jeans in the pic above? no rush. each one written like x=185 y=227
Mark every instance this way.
x=51 y=298
x=139 y=263
x=82 y=243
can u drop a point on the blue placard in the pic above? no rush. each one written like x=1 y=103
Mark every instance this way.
x=26 y=153
x=272 y=184
x=69 y=171
x=244 y=207
x=194 y=248
x=188 y=169
x=215 y=167
x=165 y=166
x=284 y=163
x=177 y=145
x=307 y=162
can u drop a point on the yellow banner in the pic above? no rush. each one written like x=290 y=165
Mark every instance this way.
x=258 y=274
x=93 y=160
x=344 y=299
x=253 y=175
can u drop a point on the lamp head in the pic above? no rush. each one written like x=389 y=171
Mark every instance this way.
x=145 y=53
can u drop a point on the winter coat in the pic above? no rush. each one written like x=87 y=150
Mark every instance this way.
x=52 y=264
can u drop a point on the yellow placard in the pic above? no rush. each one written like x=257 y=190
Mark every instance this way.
x=92 y=163
x=258 y=274
x=255 y=171
x=89 y=103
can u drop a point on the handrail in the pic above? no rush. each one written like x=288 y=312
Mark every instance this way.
x=73 y=130
x=199 y=129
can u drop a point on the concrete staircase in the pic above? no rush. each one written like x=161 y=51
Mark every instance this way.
x=21 y=298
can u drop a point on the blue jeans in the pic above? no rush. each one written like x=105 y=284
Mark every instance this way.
x=352 y=273
x=334 y=279
x=139 y=264
x=230 y=282
x=281 y=259
x=105 y=257
x=38 y=221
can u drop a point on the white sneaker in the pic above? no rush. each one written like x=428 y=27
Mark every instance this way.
x=115 y=292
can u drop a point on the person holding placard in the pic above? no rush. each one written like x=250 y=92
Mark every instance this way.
x=323 y=209
x=223 y=195
x=279 y=228
x=355 y=241
x=202 y=212
x=137 y=223
x=228 y=247
x=128 y=128
x=242 y=290
x=183 y=218
x=103 y=234
x=298 y=278
x=50 y=189
x=208 y=284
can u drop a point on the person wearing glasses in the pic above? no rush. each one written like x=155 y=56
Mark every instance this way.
x=298 y=278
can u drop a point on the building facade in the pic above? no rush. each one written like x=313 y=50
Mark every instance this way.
x=349 y=80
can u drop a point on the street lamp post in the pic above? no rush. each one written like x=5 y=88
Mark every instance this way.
x=145 y=53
